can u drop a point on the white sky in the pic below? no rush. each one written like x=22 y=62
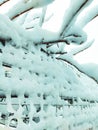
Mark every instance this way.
x=90 y=55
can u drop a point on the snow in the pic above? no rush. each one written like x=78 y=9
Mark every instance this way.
x=55 y=84
x=5 y=128
x=92 y=9
x=57 y=92
x=91 y=69
x=74 y=5
x=23 y=5
x=17 y=32
x=80 y=38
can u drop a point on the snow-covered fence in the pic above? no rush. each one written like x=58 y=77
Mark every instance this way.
x=37 y=89
x=24 y=101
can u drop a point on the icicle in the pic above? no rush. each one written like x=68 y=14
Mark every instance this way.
x=32 y=110
x=9 y=103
